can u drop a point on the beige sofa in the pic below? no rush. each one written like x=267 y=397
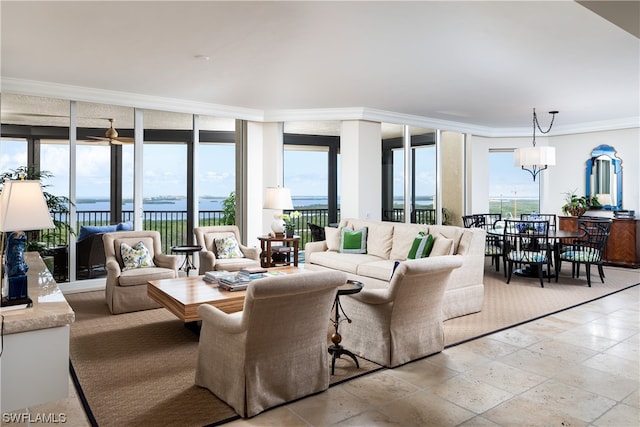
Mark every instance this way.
x=388 y=242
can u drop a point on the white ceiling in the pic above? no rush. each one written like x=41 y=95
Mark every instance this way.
x=474 y=64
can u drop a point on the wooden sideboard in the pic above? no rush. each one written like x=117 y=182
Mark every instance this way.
x=623 y=244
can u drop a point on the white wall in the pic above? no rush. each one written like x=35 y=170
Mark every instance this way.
x=572 y=152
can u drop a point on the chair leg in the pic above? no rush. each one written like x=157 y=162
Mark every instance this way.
x=510 y=272
x=601 y=271
x=541 y=275
x=587 y=267
x=557 y=269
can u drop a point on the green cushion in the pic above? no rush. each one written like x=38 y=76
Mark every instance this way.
x=421 y=247
x=137 y=256
x=354 y=241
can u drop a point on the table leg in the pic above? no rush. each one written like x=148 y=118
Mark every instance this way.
x=336 y=350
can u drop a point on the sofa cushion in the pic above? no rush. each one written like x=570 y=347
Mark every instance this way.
x=421 y=247
x=88 y=230
x=450 y=232
x=379 y=235
x=442 y=246
x=227 y=247
x=140 y=276
x=377 y=269
x=136 y=256
x=353 y=241
x=332 y=235
x=338 y=261
x=403 y=235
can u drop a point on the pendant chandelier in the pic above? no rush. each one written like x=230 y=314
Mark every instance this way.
x=536 y=159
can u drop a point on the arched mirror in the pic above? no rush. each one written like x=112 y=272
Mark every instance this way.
x=604 y=177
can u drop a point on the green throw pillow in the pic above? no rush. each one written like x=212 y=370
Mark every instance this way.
x=421 y=247
x=354 y=241
x=137 y=256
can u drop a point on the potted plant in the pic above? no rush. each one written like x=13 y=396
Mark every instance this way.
x=288 y=222
x=577 y=205
x=57 y=204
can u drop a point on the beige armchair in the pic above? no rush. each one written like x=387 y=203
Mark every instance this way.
x=402 y=322
x=275 y=350
x=209 y=259
x=126 y=290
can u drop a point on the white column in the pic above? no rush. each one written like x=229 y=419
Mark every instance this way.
x=361 y=170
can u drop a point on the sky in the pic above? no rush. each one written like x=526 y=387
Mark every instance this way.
x=165 y=171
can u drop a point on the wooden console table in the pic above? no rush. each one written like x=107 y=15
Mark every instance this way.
x=623 y=244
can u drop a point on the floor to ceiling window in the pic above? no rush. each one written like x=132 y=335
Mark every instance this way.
x=512 y=191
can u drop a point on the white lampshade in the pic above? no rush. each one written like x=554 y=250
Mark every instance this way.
x=535 y=156
x=278 y=198
x=23 y=207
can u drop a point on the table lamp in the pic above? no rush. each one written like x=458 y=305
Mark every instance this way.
x=278 y=198
x=22 y=207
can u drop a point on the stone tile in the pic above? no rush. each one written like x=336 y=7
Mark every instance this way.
x=577 y=315
x=422 y=373
x=369 y=419
x=471 y=394
x=602 y=329
x=536 y=363
x=599 y=382
x=523 y=412
x=620 y=415
x=633 y=399
x=625 y=350
x=333 y=406
x=614 y=365
x=517 y=337
x=425 y=409
x=562 y=398
x=505 y=377
x=277 y=417
x=379 y=388
x=582 y=338
x=479 y=421
x=490 y=348
x=562 y=350
x=458 y=358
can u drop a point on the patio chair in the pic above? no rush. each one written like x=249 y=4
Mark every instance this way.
x=275 y=350
x=587 y=250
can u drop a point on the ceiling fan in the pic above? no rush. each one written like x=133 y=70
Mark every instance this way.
x=111 y=136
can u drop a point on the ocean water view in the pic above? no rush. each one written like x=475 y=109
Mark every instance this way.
x=180 y=203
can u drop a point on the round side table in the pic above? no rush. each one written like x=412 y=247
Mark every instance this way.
x=187 y=264
x=336 y=350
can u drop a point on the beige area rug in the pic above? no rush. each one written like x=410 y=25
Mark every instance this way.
x=523 y=300
x=138 y=369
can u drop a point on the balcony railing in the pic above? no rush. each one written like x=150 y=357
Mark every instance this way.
x=172 y=225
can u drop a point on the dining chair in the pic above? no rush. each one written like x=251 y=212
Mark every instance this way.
x=528 y=242
x=547 y=217
x=494 y=246
x=586 y=250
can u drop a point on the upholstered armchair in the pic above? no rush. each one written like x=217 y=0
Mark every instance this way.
x=275 y=350
x=403 y=321
x=126 y=288
x=214 y=257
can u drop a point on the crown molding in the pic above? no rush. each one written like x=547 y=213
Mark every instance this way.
x=79 y=93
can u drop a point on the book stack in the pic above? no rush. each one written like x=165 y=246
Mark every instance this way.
x=252 y=273
x=214 y=276
x=233 y=283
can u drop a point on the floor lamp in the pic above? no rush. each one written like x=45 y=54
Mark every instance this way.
x=22 y=207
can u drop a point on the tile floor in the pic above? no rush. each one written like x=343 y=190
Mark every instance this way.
x=579 y=367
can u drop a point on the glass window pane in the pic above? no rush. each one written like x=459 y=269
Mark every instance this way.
x=512 y=191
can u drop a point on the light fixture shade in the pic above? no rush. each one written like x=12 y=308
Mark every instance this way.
x=23 y=207
x=535 y=156
x=278 y=198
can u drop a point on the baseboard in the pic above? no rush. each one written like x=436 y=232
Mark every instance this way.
x=82 y=286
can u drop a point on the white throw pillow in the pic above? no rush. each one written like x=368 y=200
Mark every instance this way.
x=137 y=256
x=227 y=247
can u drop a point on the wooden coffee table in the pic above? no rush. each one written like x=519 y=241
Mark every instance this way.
x=182 y=296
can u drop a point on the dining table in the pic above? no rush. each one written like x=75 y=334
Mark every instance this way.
x=554 y=234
